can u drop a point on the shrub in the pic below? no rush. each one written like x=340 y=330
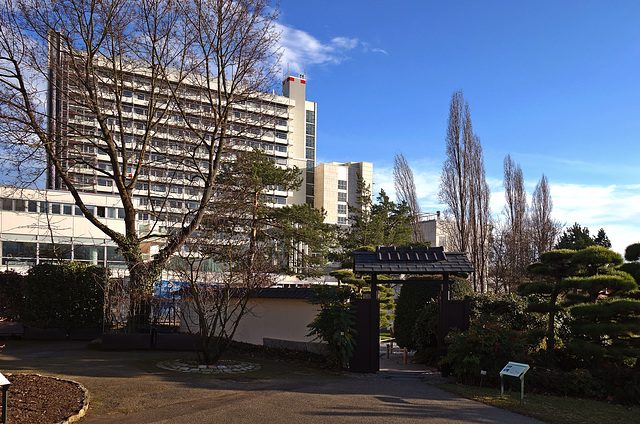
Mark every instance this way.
x=11 y=295
x=413 y=297
x=335 y=322
x=483 y=347
x=509 y=309
x=425 y=334
x=66 y=295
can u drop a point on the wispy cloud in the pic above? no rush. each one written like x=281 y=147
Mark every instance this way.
x=301 y=49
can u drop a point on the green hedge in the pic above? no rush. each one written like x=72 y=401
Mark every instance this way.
x=10 y=295
x=66 y=295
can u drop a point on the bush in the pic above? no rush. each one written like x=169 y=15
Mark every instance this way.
x=67 y=295
x=508 y=309
x=425 y=334
x=413 y=297
x=483 y=347
x=11 y=295
x=335 y=322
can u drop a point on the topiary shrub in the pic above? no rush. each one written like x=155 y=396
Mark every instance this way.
x=10 y=295
x=66 y=295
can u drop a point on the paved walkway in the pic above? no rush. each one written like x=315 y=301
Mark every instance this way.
x=128 y=387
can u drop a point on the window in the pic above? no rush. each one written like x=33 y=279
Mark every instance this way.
x=311 y=129
x=342 y=197
x=101 y=211
x=7 y=204
x=111 y=212
x=120 y=213
x=311 y=116
x=342 y=220
x=33 y=206
x=310 y=153
x=342 y=209
x=311 y=141
x=44 y=207
x=56 y=209
x=342 y=185
x=67 y=209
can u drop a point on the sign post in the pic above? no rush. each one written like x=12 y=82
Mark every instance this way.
x=514 y=369
x=4 y=384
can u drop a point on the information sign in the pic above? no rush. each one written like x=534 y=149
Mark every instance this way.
x=514 y=369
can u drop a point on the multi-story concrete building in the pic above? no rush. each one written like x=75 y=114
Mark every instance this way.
x=172 y=127
x=336 y=186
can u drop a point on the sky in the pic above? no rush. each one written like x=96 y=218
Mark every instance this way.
x=553 y=84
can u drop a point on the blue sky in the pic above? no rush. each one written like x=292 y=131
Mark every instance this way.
x=555 y=84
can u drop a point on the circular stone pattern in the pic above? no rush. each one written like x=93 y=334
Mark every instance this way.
x=221 y=367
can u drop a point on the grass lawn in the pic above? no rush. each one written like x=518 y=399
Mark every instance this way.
x=550 y=409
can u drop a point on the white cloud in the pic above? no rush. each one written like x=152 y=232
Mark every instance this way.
x=301 y=49
x=615 y=208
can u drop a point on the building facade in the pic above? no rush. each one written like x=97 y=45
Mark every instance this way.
x=40 y=226
x=165 y=128
x=336 y=188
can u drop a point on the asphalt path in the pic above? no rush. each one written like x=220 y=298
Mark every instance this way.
x=128 y=387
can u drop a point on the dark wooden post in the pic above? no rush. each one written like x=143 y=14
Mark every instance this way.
x=374 y=347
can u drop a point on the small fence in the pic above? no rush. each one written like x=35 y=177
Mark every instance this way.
x=159 y=311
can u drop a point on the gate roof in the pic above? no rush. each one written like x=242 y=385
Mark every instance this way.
x=410 y=260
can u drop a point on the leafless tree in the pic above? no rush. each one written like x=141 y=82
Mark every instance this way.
x=190 y=63
x=517 y=238
x=463 y=188
x=406 y=192
x=479 y=217
x=242 y=245
x=544 y=230
x=455 y=171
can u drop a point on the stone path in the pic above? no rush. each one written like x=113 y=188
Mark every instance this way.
x=222 y=367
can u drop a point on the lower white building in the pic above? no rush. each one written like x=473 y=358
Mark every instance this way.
x=38 y=226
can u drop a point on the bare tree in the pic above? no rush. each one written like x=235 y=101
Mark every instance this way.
x=517 y=239
x=406 y=192
x=134 y=87
x=455 y=171
x=463 y=188
x=544 y=230
x=479 y=217
x=241 y=247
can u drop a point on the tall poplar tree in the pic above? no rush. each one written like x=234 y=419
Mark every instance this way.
x=463 y=188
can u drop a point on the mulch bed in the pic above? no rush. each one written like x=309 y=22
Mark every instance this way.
x=36 y=399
